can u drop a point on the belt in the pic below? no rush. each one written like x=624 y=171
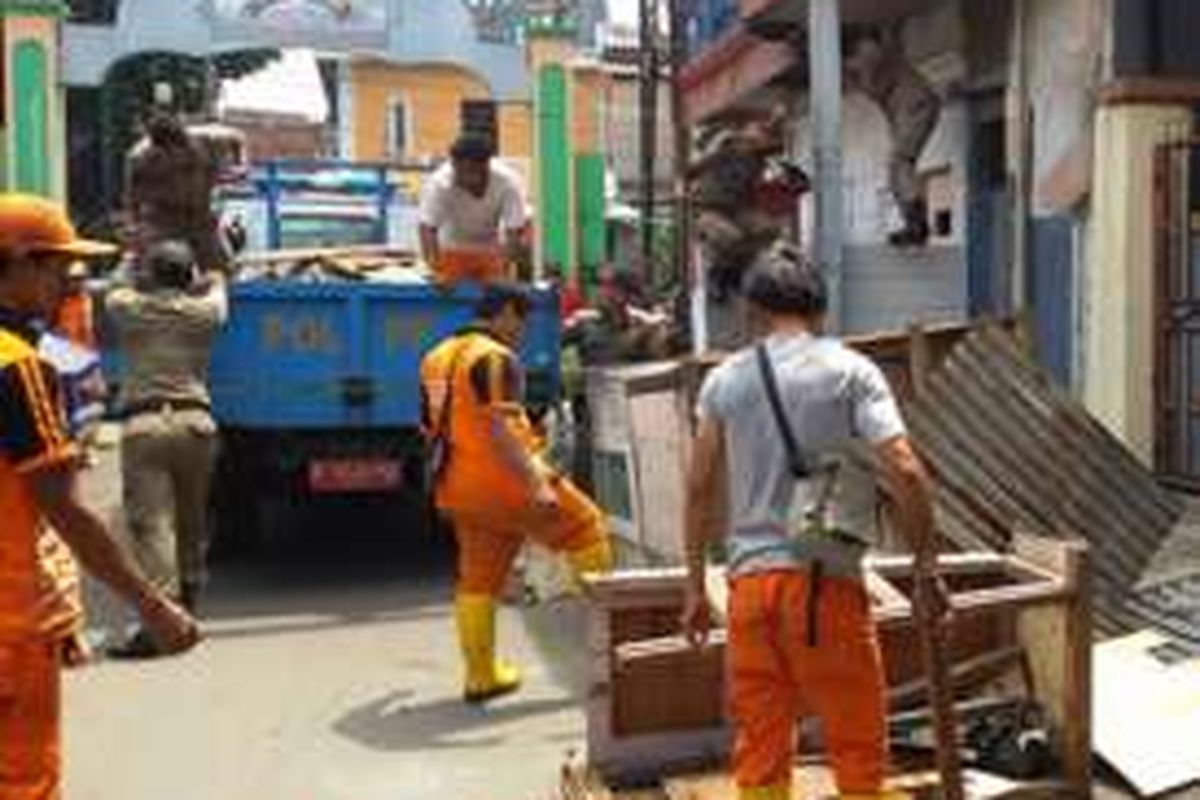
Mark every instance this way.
x=155 y=406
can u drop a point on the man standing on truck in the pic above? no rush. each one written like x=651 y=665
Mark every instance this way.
x=38 y=467
x=491 y=480
x=165 y=325
x=472 y=215
x=170 y=180
x=781 y=473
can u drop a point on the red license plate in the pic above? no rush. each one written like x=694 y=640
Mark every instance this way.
x=354 y=475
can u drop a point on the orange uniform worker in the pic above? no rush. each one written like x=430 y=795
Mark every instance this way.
x=472 y=215
x=37 y=491
x=494 y=487
x=796 y=522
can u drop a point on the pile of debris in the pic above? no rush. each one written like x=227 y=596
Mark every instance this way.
x=1054 y=523
x=378 y=264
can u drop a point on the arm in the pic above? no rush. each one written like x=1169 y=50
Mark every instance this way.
x=513 y=222
x=703 y=521
x=41 y=452
x=430 y=251
x=496 y=381
x=909 y=489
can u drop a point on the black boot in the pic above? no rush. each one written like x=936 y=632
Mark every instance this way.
x=915 y=232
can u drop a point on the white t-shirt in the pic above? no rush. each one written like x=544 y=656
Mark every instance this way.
x=464 y=219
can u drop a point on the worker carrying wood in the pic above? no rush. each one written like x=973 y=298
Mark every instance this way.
x=877 y=66
x=170 y=179
x=781 y=474
x=472 y=214
x=491 y=480
x=39 y=498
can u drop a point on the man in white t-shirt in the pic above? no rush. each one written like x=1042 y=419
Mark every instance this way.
x=472 y=214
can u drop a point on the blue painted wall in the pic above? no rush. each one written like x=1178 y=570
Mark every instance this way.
x=1051 y=288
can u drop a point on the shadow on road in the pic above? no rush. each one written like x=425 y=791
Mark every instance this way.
x=391 y=724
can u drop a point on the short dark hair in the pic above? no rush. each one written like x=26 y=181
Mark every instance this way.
x=783 y=281
x=473 y=146
x=499 y=296
x=170 y=264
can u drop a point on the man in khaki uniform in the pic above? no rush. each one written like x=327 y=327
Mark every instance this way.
x=165 y=324
x=877 y=67
x=170 y=180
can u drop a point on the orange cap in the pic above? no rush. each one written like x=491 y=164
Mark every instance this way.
x=32 y=224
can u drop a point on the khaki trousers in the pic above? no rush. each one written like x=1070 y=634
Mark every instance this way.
x=167 y=464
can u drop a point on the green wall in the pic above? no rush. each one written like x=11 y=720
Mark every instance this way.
x=30 y=119
x=589 y=206
x=554 y=195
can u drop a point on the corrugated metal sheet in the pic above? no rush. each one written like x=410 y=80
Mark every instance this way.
x=1012 y=452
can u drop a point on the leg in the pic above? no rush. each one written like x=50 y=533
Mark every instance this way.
x=30 y=709
x=149 y=505
x=913 y=124
x=844 y=681
x=192 y=472
x=485 y=557
x=577 y=529
x=763 y=697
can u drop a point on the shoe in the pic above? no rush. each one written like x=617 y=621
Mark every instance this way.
x=486 y=676
x=139 y=646
x=780 y=791
x=915 y=232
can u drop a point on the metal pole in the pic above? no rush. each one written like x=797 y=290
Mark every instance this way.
x=648 y=112
x=682 y=149
x=1021 y=150
x=825 y=101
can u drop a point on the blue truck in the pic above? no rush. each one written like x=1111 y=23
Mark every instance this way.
x=316 y=389
x=315 y=385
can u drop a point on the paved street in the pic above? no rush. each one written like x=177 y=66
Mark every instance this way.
x=330 y=673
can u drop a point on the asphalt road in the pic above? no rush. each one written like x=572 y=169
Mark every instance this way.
x=330 y=672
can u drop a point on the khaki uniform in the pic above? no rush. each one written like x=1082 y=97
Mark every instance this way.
x=169 y=441
x=170 y=192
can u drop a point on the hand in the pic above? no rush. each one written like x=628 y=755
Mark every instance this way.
x=544 y=496
x=172 y=628
x=932 y=596
x=697 y=617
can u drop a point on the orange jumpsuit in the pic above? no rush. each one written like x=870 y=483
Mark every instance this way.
x=488 y=503
x=38 y=609
x=777 y=674
x=455 y=266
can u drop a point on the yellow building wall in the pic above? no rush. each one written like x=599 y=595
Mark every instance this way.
x=1119 y=327
x=587 y=100
x=433 y=94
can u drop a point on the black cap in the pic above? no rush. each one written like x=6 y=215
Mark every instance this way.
x=499 y=296
x=170 y=263
x=783 y=281
x=473 y=146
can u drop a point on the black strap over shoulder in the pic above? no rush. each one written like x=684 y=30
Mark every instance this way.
x=796 y=463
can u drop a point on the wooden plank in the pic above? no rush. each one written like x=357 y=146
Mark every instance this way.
x=1058 y=641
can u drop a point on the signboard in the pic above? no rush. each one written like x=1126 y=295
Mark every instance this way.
x=323 y=24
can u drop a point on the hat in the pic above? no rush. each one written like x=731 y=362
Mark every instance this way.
x=32 y=224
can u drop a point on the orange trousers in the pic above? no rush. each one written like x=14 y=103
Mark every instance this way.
x=455 y=266
x=489 y=537
x=30 y=759
x=777 y=674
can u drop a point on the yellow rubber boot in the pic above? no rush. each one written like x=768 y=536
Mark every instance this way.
x=779 y=791
x=596 y=557
x=486 y=677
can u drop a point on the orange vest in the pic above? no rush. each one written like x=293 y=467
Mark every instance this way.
x=455 y=266
x=39 y=581
x=476 y=476
x=75 y=320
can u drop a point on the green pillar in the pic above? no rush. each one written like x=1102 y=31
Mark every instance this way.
x=590 y=222
x=555 y=166
x=30 y=119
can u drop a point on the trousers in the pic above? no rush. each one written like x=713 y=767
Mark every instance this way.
x=167 y=464
x=489 y=538
x=30 y=712
x=778 y=674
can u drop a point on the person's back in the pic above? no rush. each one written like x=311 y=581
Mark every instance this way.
x=836 y=402
x=166 y=338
